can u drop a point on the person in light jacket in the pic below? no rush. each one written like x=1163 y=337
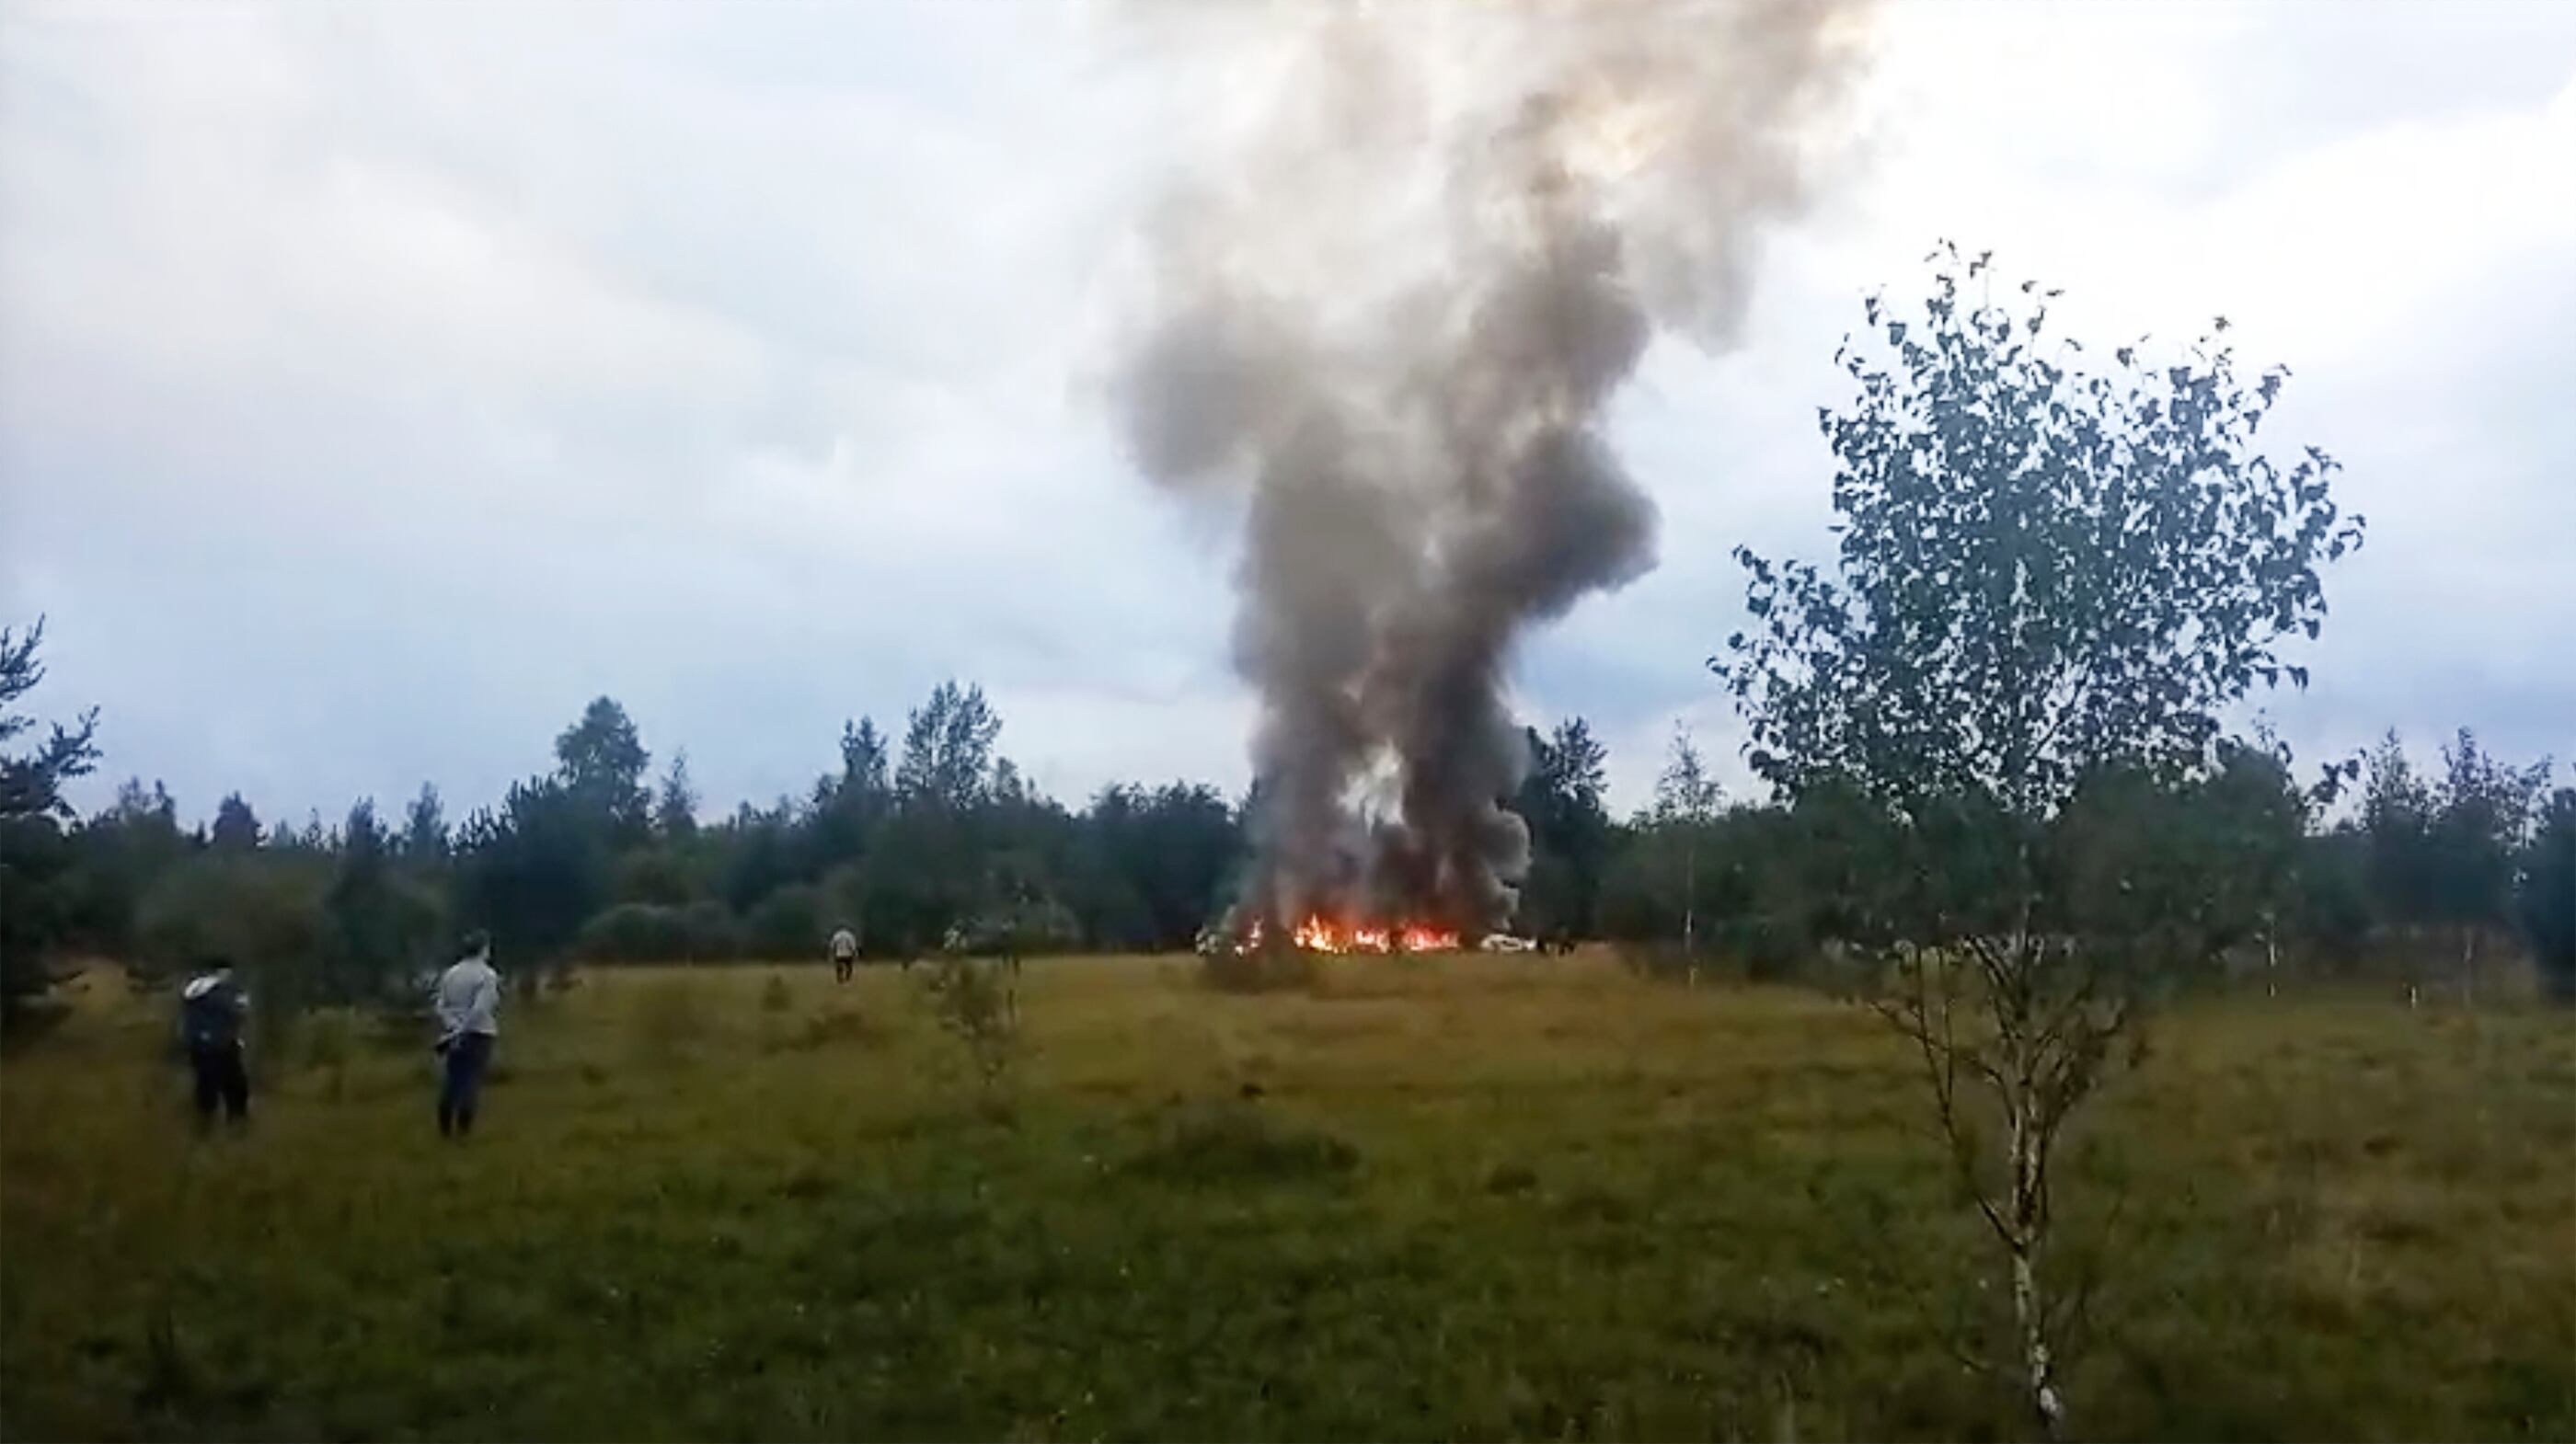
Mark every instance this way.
x=467 y=998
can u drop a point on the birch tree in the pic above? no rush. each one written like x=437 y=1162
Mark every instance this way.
x=2051 y=586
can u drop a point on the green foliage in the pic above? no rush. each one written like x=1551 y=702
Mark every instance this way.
x=264 y=912
x=845 y=896
x=1562 y=801
x=2050 y=585
x=2332 y=906
x=2547 y=900
x=675 y=804
x=2483 y=814
x=2041 y=572
x=601 y=762
x=760 y=851
x=236 y=827
x=424 y=838
x=36 y=915
x=31 y=783
x=702 y=932
x=977 y=1002
x=786 y=924
x=711 y=931
x=662 y=874
x=118 y=855
x=948 y=750
x=1152 y=863
x=383 y=928
x=1683 y=872
x=2171 y=872
x=2445 y=854
x=38 y=884
x=957 y=838
x=533 y=871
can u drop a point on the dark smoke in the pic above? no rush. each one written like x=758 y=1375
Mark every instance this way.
x=1424 y=247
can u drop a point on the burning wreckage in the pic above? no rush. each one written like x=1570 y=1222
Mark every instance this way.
x=1402 y=268
x=1323 y=935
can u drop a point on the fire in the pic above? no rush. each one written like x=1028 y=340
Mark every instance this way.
x=1320 y=934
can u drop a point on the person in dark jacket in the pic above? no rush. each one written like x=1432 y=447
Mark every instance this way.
x=211 y=1009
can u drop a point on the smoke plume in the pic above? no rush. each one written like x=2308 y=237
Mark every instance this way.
x=1417 y=252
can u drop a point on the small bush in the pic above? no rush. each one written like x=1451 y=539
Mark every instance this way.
x=264 y=913
x=977 y=1002
x=1236 y=1142
x=775 y=996
x=1511 y=1178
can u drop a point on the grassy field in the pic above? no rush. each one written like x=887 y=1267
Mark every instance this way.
x=1474 y=1197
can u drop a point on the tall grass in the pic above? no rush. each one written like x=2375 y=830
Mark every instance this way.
x=1484 y=1197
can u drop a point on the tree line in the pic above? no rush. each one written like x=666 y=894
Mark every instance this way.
x=598 y=860
x=2396 y=871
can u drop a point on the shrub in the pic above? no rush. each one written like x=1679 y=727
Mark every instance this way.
x=635 y=933
x=977 y=1002
x=654 y=933
x=775 y=996
x=263 y=913
x=786 y=924
x=713 y=933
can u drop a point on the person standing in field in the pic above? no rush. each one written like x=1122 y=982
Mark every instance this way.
x=467 y=998
x=211 y=1009
x=845 y=953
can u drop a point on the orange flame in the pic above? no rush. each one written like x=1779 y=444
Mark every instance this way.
x=1320 y=934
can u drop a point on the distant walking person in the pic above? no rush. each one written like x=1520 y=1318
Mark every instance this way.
x=211 y=1009
x=468 y=999
x=845 y=954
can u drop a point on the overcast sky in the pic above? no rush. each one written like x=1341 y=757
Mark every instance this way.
x=380 y=382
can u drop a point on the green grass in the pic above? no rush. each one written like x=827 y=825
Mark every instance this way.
x=1473 y=1197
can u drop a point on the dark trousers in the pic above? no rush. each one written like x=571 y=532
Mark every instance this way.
x=841 y=968
x=222 y=1082
x=461 y=1082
